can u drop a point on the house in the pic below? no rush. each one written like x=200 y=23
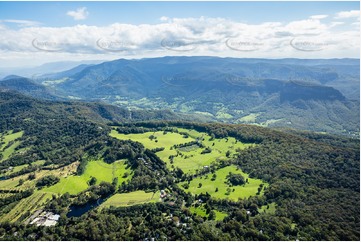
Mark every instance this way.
x=46 y=219
x=163 y=194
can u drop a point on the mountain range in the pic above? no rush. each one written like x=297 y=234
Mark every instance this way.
x=319 y=95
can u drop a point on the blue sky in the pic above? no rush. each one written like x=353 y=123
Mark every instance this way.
x=103 y=13
x=33 y=33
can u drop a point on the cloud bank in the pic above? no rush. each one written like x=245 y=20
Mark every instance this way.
x=319 y=36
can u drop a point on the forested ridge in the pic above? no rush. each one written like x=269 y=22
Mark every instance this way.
x=313 y=179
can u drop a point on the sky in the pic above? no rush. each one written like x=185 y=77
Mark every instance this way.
x=33 y=33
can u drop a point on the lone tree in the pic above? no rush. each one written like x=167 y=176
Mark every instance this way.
x=212 y=215
x=228 y=153
x=235 y=179
x=92 y=181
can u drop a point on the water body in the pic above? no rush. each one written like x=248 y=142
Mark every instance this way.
x=77 y=211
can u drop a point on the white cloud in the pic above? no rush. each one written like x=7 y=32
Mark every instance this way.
x=348 y=14
x=318 y=16
x=334 y=24
x=187 y=36
x=21 y=23
x=164 y=18
x=79 y=14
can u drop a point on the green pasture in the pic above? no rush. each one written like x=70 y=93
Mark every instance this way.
x=98 y=169
x=269 y=208
x=130 y=199
x=6 y=139
x=162 y=140
x=207 y=185
x=189 y=159
x=201 y=211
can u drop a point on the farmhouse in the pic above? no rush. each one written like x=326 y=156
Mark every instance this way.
x=46 y=219
x=163 y=194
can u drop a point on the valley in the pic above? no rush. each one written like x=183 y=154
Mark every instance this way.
x=308 y=94
x=195 y=164
x=180 y=121
x=71 y=164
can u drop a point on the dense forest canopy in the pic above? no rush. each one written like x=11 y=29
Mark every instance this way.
x=309 y=184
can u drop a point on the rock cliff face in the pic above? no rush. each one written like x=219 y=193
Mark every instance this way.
x=297 y=91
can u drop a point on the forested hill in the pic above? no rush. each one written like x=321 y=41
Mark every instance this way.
x=316 y=95
x=57 y=156
x=24 y=107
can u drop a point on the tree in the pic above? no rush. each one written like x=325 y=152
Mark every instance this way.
x=212 y=137
x=47 y=181
x=228 y=191
x=115 y=181
x=185 y=185
x=206 y=150
x=31 y=176
x=92 y=181
x=212 y=215
x=228 y=153
x=235 y=179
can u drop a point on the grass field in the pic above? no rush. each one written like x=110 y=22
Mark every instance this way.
x=201 y=211
x=244 y=191
x=5 y=195
x=13 y=183
x=29 y=204
x=163 y=140
x=251 y=118
x=189 y=159
x=7 y=138
x=270 y=208
x=195 y=160
x=98 y=169
x=19 y=168
x=130 y=199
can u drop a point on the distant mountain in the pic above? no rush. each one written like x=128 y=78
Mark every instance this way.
x=59 y=75
x=27 y=86
x=283 y=93
x=47 y=68
x=11 y=77
x=179 y=70
x=296 y=93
